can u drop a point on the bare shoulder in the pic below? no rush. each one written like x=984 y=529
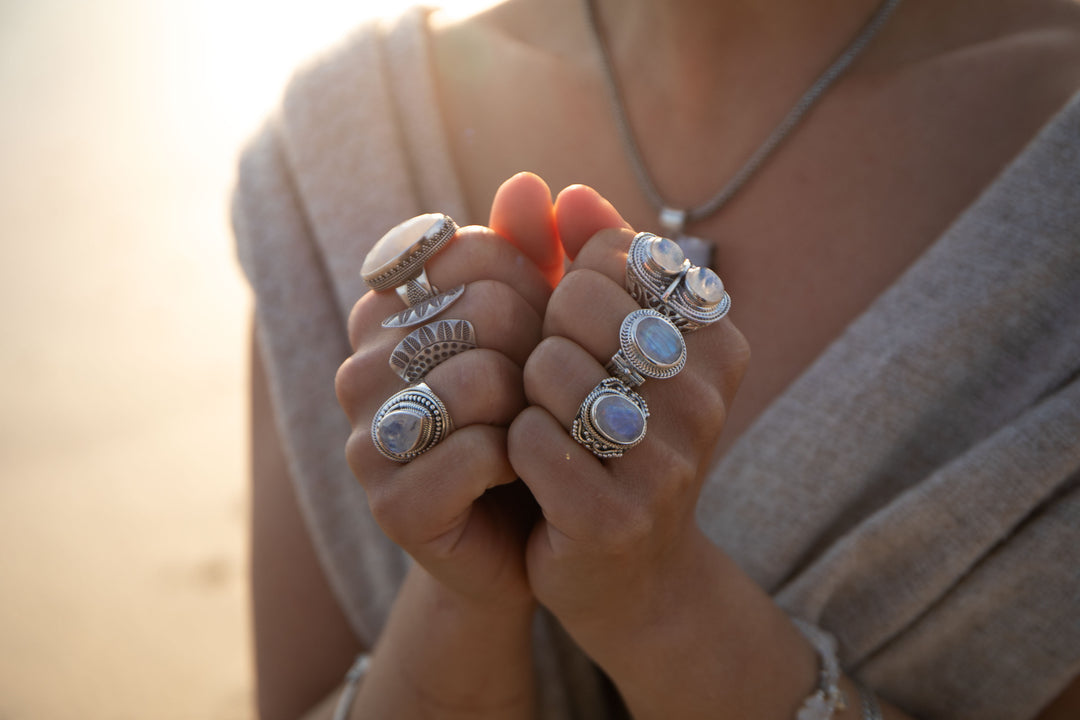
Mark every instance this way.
x=1035 y=43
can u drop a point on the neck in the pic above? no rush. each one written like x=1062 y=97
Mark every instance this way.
x=680 y=46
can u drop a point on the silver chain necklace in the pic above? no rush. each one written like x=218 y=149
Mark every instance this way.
x=672 y=220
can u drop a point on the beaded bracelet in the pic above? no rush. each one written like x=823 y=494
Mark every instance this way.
x=352 y=684
x=827 y=699
x=870 y=708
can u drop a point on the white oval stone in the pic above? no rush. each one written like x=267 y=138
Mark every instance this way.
x=618 y=419
x=666 y=255
x=706 y=285
x=400 y=431
x=396 y=241
x=659 y=341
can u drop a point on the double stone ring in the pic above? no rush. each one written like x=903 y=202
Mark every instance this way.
x=397 y=260
x=659 y=276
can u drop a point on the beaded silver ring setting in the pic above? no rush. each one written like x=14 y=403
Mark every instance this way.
x=410 y=423
x=611 y=420
x=397 y=260
x=659 y=276
x=650 y=346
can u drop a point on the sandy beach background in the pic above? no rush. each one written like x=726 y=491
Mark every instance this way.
x=123 y=316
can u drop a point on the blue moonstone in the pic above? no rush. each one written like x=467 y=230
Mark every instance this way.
x=706 y=285
x=659 y=342
x=400 y=430
x=667 y=255
x=618 y=419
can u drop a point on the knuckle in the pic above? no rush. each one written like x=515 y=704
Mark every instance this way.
x=574 y=290
x=353 y=382
x=345 y=383
x=360 y=319
x=625 y=526
x=707 y=414
x=543 y=364
x=500 y=307
x=676 y=484
x=386 y=509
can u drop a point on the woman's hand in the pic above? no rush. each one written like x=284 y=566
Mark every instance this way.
x=618 y=556
x=618 y=535
x=454 y=508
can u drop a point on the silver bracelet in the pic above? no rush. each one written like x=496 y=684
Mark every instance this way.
x=870 y=708
x=352 y=684
x=827 y=699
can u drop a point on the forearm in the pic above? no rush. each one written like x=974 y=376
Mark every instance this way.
x=712 y=644
x=441 y=657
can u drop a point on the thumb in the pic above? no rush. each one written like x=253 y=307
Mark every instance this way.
x=580 y=213
x=522 y=212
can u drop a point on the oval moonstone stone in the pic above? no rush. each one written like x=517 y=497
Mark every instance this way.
x=706 y=285
x=659 y=341
x=666 y=255
x=399 y=431
x=396 y=241
x=618 y=419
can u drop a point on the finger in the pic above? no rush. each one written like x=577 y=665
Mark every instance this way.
x=423 y=500
x=558 y=376
x=687 y=412
x=580 y=213
x=589 y=308
x=502 y=320
x=522 y=212
x=479 y=386
x=475 y=253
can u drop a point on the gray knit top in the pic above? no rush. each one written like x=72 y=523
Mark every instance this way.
x=916 y=491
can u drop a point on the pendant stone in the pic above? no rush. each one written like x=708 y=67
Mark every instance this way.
x=697 y=251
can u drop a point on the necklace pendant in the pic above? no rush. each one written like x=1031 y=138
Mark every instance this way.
x=697 y=250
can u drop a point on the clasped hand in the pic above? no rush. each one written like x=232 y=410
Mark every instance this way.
x=603 y=544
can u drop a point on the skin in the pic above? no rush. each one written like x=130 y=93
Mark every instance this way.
x=925 y=120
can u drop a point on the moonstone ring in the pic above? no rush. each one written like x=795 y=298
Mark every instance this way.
x=659 y=276
x=650 y=346
x=410 y=423
x=397 y=259
x=611 y=420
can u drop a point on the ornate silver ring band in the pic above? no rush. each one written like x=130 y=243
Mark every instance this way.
x=659 y=276
x=410 y=423
x=429 y=345
x=650 y=346
x=397 y=260
x=611 y=420
x=424 y=310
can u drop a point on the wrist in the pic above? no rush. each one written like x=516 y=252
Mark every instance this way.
x=466 y=610
x=443 y=654
x=708 y=639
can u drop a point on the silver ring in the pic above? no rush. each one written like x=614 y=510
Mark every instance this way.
x=611 y=420
x=410 y=423
x=429 y=345
x=650 y=346
x=659 y=276
x=397 y=259
x=424 y=310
